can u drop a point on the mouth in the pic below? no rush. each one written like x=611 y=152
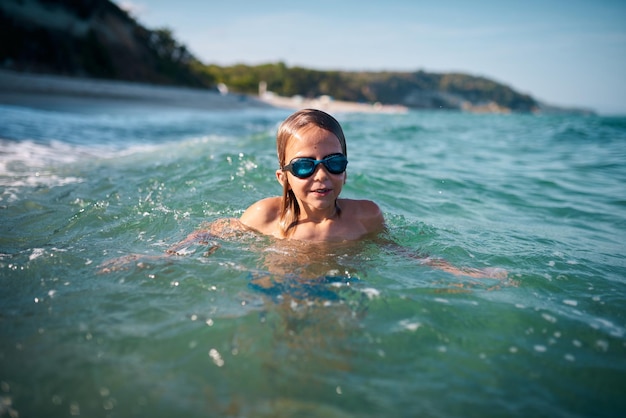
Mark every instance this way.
x=322 y=191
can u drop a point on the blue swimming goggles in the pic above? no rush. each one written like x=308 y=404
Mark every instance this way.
x=305 y=167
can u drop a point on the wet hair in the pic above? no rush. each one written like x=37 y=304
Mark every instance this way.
x=290 y=210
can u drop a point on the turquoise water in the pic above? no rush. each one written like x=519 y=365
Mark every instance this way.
x=96 y=321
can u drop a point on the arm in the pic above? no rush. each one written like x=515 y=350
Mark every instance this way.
x=202 y=236
x=488 y=272
x=224 y=229
x=221 y=229
x=441 y=264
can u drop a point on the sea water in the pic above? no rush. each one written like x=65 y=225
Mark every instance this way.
x=97 y=320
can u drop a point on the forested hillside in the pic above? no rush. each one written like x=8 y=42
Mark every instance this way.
x=414 y=89
x=90 y=38
x=95 y=38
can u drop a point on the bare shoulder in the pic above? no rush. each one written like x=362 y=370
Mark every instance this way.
x=360 y=208
x=262 y=215
x=368 y=213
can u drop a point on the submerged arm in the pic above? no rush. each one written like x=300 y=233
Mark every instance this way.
x=221 y=229
x=487 y=272
x=441 y=264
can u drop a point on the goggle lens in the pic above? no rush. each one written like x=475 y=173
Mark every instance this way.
x=305 y=167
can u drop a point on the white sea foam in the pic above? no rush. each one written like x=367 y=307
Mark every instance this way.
x=371 y=292
x=409 y=325
x=37 y=252
x=32 y=164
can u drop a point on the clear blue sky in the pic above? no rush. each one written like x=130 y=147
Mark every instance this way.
x=563 y=52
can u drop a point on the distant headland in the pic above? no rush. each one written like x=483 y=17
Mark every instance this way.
x=95 y=39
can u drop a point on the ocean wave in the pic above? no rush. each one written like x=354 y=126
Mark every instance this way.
x=31 y=164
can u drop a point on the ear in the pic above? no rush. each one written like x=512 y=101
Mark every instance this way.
x=281 y=176
x=345 y=177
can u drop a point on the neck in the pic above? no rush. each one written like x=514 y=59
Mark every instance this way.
x=332 y=213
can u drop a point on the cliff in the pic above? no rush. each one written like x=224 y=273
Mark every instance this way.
x=89 y=38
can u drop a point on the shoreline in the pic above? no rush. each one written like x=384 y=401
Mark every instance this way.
x=329 y=105
x=57 y=92
x=54 y=91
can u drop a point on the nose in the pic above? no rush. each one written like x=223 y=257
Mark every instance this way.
x=320 y=172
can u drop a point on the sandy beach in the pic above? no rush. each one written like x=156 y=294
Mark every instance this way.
x=51 y=91
x=57 y=92
x=329 y=105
